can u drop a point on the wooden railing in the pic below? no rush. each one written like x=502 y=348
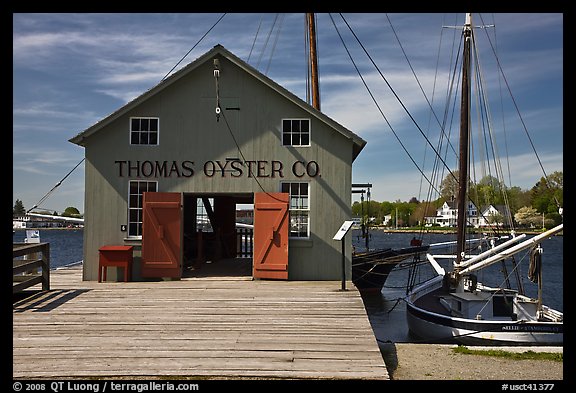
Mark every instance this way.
x=27 y=259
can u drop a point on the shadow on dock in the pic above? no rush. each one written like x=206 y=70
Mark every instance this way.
x=43 y=301
x=390 y=356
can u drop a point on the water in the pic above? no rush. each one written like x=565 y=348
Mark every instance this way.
x=65 y=244
x=387 y=314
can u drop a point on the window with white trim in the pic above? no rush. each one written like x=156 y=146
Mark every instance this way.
x=144 y=130
x=299 y=208
x=296 y=132
x=136 y=190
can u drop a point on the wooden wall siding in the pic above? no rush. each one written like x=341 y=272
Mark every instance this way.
x=194 y=328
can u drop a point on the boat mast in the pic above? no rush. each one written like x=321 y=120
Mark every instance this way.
x=464 y=132
x=313 y=60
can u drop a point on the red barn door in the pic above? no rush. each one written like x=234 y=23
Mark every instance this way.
x=271 y=222
x=162 y=235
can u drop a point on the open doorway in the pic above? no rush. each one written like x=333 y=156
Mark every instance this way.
x=217 y=235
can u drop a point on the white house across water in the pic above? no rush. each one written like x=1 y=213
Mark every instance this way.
x=213 y=136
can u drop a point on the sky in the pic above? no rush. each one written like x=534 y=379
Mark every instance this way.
x=72 y=70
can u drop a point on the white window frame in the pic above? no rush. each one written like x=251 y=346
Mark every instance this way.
x=140 y=131
x=138 y=209
x=297 y=210
x=309 y=132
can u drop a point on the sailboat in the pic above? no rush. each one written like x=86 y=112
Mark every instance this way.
x=454 y=306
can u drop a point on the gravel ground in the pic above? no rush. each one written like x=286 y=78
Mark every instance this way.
x=440 y=362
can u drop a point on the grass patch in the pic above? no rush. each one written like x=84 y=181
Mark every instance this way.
x=527 y=355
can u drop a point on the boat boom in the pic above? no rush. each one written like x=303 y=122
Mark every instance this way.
x=513 y=250
x=491 y=251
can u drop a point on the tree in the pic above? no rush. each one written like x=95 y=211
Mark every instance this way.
x=18 y=209
x=423 y=210
x=449 y=186
x=71 y=212
x=518 y=198
x=386 y=208
x=528 y=216
x=404 y=211
x=489 y=191
x=547 y=194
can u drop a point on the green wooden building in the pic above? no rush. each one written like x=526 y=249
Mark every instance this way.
x=213 y=136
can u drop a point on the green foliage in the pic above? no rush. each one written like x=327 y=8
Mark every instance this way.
x=18 y=209
x=71 y=212
x=547 y=194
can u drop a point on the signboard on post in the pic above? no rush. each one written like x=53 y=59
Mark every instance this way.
x=340 y=236
x=343 y=230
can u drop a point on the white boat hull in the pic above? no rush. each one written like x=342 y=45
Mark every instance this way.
x=435 y=327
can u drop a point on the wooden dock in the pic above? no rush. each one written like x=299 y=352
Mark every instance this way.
x=230 y=328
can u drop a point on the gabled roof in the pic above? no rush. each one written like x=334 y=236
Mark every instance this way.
x=358 y=142
x=502 y=209
x=453 y=205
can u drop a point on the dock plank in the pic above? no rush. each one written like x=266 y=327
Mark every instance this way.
x=194 y=328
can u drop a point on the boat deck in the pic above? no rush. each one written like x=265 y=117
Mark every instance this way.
x=431 y=302
x=220 y=327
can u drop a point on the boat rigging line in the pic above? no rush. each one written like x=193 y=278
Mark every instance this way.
x=442 y=124
x=275 y=42
x=255 y=38
x=380 y=109
x=195 y=45
x=275 y=23
x=53 y=188
x=519 y=114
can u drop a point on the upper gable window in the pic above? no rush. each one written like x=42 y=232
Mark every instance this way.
x=144 y=130
x=296 y=132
